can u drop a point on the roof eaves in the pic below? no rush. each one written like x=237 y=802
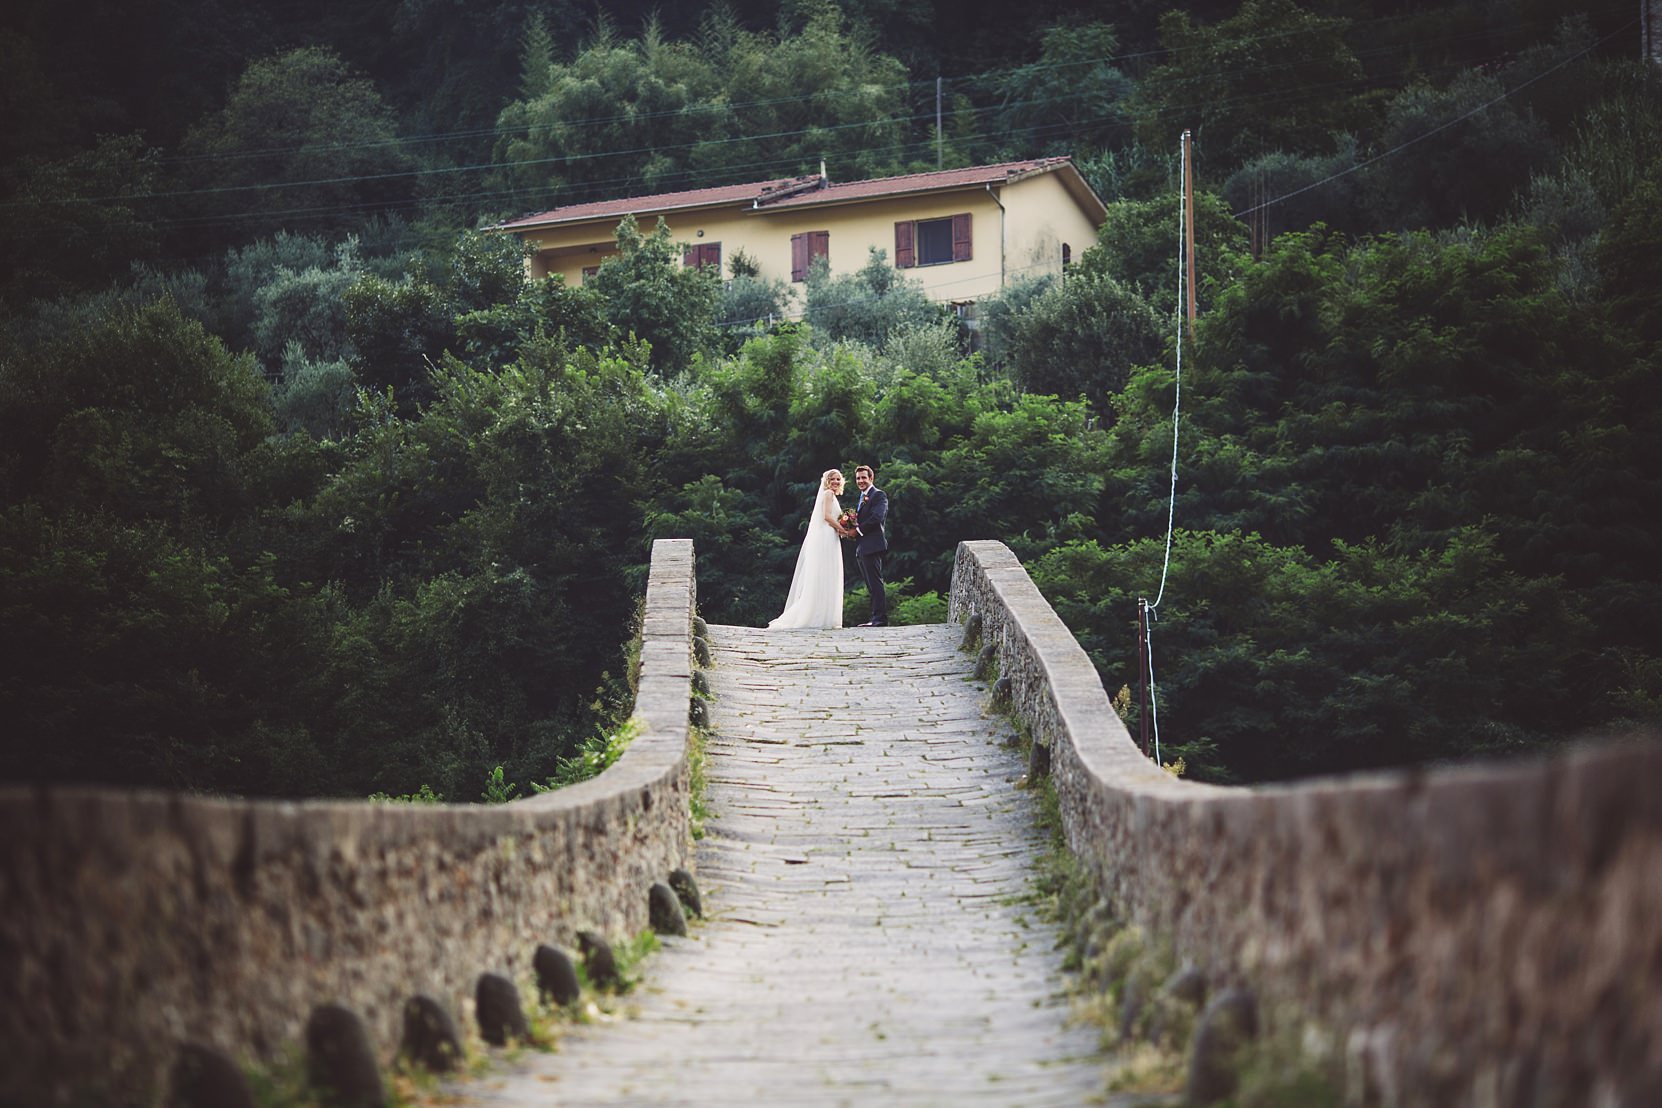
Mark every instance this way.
x=533 y=223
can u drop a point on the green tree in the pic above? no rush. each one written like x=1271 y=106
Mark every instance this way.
x=1139 y=245
x=1298 y=191
x=1273 y=77
x=302 y=139
x=398 y=329
x=1465 y=168
x=1629 y=257
x=542 y=309
x=1423 y=399
x=750 y=305
x=651 y=295
x=1071 y=98
x=1078 y=337
x=141 y=414
x=653 y=113
x=866 y=305
x=307 y=308
x=621 y=117
x=1270 y=663
x=73 y=220
x=134 y=444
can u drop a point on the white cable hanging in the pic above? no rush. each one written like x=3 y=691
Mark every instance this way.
x=1149 y=609
x=1177 y=381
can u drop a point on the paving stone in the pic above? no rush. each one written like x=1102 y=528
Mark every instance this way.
x=861 y=872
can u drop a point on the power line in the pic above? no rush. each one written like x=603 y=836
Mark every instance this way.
x=900 y=149
x=1280 y=94
x=1491 y=102
x=732 y=108
x=903 y=88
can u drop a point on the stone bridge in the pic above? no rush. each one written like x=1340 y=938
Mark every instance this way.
x=1480 y=935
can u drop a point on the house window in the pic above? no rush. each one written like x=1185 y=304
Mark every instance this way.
x=590 y=272
x=703 y=254
x=805 y=248
x=932 y=241
x=1067 y=257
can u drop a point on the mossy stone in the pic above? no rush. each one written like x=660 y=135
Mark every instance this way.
x=556 y=975
x=501 y=1018
x=340 y=1060
x=431 y=1038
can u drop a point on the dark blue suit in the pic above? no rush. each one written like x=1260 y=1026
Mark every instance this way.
x=870 y=547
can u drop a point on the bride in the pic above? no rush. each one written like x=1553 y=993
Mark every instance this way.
x=816 y=596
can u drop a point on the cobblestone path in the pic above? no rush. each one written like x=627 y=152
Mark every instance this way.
x=863 y=871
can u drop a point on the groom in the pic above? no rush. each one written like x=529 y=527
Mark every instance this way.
x=871 y=542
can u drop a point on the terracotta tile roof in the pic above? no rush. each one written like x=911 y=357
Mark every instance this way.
x=789 y=192
x=923 y=182
x=657 y=202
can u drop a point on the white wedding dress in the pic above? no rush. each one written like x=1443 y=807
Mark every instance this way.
x=816 y=596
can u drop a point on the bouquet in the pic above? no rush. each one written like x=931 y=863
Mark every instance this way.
x=847 y=519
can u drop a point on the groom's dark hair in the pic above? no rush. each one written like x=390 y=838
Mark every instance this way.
x=868 y=469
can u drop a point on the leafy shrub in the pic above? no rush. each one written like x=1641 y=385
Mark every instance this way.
x=1079 y=337
x=307 y=308
x=312 y=395
x=749 y=306
x=868 y=305
x=651 y=295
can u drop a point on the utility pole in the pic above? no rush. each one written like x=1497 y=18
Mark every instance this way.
x=940 y=156
x=1189 y=224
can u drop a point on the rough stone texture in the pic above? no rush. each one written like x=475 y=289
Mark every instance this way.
x=340 y=1059
x=205 y=1078
x=431 y=1038
x=1229 y=1023
x=598 y=960
x=137 y=921
x=500 y=1016
x=1488 y=934
x=556 y=975
x=664 y=910
x=686 y=887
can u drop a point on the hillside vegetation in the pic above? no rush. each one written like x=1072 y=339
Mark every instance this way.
x=306 y=489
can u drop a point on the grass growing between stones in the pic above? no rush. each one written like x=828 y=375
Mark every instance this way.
x=1126 y=983
x=282 y=1084
x=1114 y=970
x=698 y=804
x=1281 y=1072
x=285 y=1084
x=1111 y=966
x=546 y=1023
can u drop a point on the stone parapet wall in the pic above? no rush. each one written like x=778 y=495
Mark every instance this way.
x=133 y=923
x=1480 y=935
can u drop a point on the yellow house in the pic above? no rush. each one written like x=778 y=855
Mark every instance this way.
x=962 y=233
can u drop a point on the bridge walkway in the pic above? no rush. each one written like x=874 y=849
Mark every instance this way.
x=865 y=871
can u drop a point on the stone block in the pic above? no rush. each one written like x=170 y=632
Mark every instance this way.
x=496 y=1002
x=556 y=975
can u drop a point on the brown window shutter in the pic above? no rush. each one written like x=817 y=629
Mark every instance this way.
x=905 y=257
x=820 y=245
x=799 y=257
x=961 y=237
x=711 y=256
x=689 y=257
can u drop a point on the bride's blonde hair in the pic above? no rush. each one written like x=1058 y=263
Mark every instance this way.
x=825 y=478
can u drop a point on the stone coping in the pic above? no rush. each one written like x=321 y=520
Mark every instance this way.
x=136 y=921
x=1478 y=934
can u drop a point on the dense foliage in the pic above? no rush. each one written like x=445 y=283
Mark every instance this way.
x=306 y=488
